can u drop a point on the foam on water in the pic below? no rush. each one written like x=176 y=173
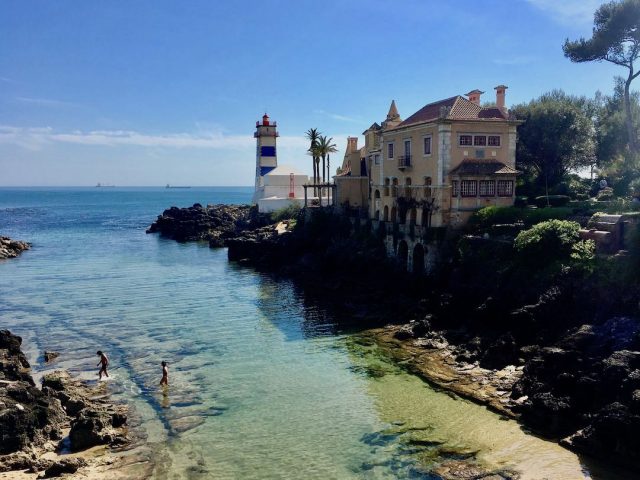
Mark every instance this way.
x=262 y=382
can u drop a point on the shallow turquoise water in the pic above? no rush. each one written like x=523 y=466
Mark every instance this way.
x=263 y=382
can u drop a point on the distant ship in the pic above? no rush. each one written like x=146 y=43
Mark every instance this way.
x=104 y=185
x=175 y=186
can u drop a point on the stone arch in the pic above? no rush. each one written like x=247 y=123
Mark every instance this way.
x=403 y=253
x=418 y=259
x=427 y=187
x=413 y=214
x=394 y=187
x=385 y=213
x=425 y=217
x=377 y=194
x=376 y=205
x=394 y=214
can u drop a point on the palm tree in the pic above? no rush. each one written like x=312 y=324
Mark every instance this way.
x=313 y=135
x=325 y=147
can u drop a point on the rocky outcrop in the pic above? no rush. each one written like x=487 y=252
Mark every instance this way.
x=215 y=224
x=12 y=248
x=33 y=421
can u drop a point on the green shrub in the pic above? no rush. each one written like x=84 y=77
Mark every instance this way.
x=521 y=202
x=552 y=241
x=286 y=213
x=488 y=216
x=552 y=200
x=605 y=194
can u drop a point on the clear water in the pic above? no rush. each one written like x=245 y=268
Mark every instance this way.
x=263 y=382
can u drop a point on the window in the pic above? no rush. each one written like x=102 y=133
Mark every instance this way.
x=376 y=159
x=494 y=140
x=390 y=150
x=487 y=188
x=427 y=187
x=479 y=140
x=469 y=188
x=455 y=188
x=427 y=145
x=505 y=188
x=407 y=148
x=466 y=140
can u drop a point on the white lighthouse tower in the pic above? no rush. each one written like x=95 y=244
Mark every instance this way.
x=266 y=154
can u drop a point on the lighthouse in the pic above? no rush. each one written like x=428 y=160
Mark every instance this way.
x=266 y=155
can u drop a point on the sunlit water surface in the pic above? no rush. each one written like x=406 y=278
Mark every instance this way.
x=264 y=384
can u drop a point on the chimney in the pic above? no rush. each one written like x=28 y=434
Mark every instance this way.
x=500 y=94
x=352 y=144
x=474 y=96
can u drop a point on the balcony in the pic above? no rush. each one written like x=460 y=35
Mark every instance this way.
x=404 y=161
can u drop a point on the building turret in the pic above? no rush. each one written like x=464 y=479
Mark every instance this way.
x=393 y=117
x=266 y=156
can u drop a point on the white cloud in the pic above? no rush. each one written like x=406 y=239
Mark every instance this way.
x=569 y=11
x=34 y=138
x=45 y=102
x=336 y=116
x=515 y=60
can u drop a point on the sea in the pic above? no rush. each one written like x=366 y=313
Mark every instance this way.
x=265 y=383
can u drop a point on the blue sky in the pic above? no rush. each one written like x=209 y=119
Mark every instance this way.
x=153 y=92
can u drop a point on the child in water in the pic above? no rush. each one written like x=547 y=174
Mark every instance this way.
x=165 y=374
x=104 y=361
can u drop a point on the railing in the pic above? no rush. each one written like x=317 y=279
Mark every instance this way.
x=404 y=161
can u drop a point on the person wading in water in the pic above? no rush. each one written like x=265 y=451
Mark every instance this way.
x=104 y=361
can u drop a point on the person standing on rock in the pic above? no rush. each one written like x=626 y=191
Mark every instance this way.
x=165 y=374
x=104 y=361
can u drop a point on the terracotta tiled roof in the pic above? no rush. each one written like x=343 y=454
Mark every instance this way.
x=459 y=108
x=481 y=167
x=491 y=112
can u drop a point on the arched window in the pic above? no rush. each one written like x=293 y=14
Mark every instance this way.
x=427 y=187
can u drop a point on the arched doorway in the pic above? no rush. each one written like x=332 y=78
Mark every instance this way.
x=376 y=204
x=413 y=214
x=403 y=253
x=418 y=259
x=385 y=213
x=394 y=214
x=425 y=217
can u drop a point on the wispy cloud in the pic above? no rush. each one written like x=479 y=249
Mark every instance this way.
x=569 y=11
x=35 y=138
x=45 y=102
x=6 y=80
x=336 y=116
x=514 y=60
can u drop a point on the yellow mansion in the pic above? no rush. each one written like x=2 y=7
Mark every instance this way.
x=437 y=166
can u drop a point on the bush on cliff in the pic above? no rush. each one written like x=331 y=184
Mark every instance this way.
x=488 y=216
x=289 y=212
x=553 y=241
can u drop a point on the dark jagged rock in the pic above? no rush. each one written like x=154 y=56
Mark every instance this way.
x=12 y=248
x=32 y=420
x=65 y=465
x=50 y=356
x=213 y=223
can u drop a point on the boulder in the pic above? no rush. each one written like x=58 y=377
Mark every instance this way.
x=62 y=466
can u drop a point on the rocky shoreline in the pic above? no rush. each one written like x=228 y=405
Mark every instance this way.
x=556 y=351
x=47 y=432
x=216 y=224
x=12 y=248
